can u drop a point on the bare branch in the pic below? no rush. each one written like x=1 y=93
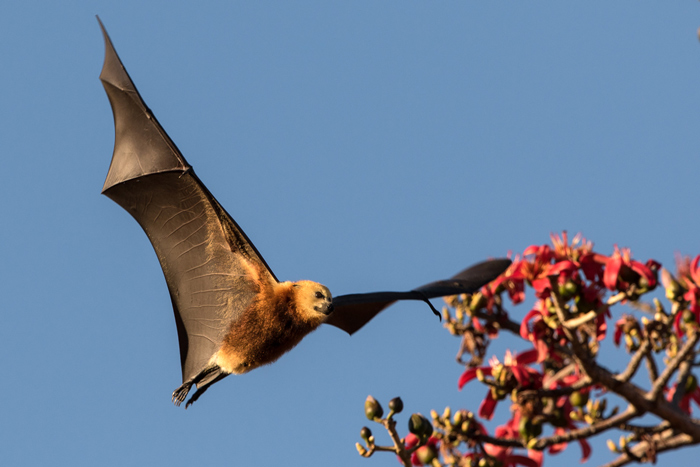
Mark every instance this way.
x=635 y=361
x=658 y=443
x=598 y=427
x=672 y=366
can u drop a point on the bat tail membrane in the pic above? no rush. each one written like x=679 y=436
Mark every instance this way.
x=141 y=146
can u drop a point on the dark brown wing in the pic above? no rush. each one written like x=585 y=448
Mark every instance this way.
x=209 y=263
x=353 y=311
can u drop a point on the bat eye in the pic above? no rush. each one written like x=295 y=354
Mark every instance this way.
x=319 y=295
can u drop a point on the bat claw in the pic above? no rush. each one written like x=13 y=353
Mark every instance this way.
x=180 y=394
x=425 y=299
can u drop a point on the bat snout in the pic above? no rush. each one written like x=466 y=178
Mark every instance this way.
x=326 y=308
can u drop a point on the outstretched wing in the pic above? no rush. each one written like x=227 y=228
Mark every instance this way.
x=353 y=311
x=211 y=267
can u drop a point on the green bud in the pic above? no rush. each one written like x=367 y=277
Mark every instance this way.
x=567 y=290
x=396 y=405
x=691 y=384
x=478 y=301
x=426 y=454
x=420 y=426
x=578 y=398
x=372 y=408
x=447 y=414
x=528 y=429
x=365 y=433
x=688 y=316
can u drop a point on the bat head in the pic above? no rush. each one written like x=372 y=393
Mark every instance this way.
x=313 y=300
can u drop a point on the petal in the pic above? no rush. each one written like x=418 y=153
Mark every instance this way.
x=470 y=374
x=585 y=450
x=524 y=330
x=561 y=266
x=527 y=357
x=520 y=460
x=612 y=270
x=644 y=271
x=694 y=271
x=487 y=407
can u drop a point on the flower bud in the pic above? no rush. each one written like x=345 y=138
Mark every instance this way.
x=396 y=405
x=447 y=414
x=673 y=288
x=478 y=301
x=360 y=449
x=365 y=433
x=688 y=316
x=426 y=454
x=372 y=408
x=578 y=398
x=528 y=429
x=420 y=426
x=623 y=442
x=612 y=446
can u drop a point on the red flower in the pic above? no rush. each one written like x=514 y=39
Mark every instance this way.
x=620 y=270
x=539 y=332
x=505 y=454
x=422 y=453
x=513 y=373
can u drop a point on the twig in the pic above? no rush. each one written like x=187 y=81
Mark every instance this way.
x=591 y=315
x=634 y=362
x=658 y=444
x=598 y=427
x=672 y=366
x=683 y=372
x=651 y=367
x=390 y=425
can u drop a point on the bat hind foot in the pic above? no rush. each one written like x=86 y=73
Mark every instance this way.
x=203 y=380
x=180 y=393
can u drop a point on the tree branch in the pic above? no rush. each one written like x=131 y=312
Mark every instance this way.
x=672 y=366
x=659 y=443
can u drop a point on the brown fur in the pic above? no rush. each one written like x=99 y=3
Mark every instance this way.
x=272 y=325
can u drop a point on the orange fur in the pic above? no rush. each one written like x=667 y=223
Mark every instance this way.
x=272 y=325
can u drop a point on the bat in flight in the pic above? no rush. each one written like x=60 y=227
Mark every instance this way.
x=231 y=312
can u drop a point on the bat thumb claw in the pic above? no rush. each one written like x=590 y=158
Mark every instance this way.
x=425 y=299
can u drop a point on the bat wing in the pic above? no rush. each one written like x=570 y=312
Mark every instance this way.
x=353 y=311
x=211 y=267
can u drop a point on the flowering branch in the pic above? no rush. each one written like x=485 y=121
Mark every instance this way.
x=558 y=391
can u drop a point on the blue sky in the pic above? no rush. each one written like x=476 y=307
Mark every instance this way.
x=364 y=145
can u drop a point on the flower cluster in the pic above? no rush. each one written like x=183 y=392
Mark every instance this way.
x=558 y=393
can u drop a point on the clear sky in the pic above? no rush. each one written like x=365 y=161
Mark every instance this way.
x=364 y=145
